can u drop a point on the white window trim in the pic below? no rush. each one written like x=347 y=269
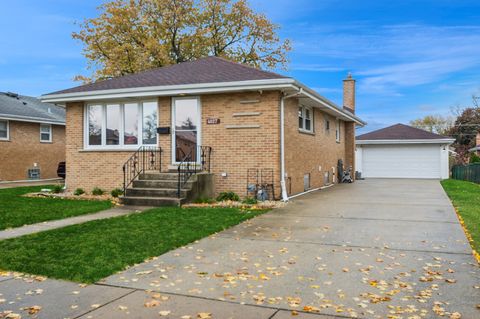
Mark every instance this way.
x=50 y=133
x=312 y=124
x=121 y=146
x=337 y=131
x=8 y=132
x=199 y=125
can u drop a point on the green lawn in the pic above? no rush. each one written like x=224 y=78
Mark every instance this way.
x=91 y=251
x=16 y=210
x=465 y=197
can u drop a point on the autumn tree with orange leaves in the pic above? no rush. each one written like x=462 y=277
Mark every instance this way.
x=135 y=35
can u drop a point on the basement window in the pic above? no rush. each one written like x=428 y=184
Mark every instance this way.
x=305 y=119
x=4 y=130
x=45 y=133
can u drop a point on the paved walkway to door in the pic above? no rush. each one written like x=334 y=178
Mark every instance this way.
x=369 y=250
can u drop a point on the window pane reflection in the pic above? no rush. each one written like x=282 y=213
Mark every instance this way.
x=95 y=125
x=113 y=124
x=131 y=124
x=186 y=114
x=150 y=123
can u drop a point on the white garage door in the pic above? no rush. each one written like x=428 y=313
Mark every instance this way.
x=401 y=161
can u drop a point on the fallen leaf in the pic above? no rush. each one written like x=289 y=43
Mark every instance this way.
x=164 y=313
x=33 y=310
x=152 y=303
x=204 y=315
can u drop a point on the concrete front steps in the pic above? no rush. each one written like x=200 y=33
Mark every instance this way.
x=160 y=189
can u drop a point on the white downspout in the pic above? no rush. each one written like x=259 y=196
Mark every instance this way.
x=282 y=143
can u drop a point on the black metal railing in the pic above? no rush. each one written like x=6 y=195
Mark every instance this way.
x=197 y=160
x=146 y=158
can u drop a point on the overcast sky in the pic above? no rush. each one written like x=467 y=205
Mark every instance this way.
x=411 y=58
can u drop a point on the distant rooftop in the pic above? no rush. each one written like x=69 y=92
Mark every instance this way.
x=29 y=109
x=400 y=132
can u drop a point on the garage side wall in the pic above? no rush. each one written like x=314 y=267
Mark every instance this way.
x=311 y=154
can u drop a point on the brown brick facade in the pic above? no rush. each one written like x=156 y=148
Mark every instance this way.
x=24 y=148
x=248 y=136
x=89 y=169
x=311 y=153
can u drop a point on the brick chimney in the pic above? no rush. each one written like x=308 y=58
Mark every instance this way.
x=349 y=93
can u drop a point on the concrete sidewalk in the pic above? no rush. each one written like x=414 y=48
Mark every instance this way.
x=373 y=249
x=39 y=227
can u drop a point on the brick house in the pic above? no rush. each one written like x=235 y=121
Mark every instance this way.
x=476 y=148
x=239 y=119
x=32 y=138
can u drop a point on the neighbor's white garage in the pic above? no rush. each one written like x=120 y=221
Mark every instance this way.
x=418 y=154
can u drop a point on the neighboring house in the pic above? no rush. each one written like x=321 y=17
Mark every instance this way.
x=476 y=149
x=402 y=151
x=32 y=138
x=252 y=119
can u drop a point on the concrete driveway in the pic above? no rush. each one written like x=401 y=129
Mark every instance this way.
x=373 y=249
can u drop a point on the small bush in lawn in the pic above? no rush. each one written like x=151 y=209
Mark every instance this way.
x=249 y=201
x=97 y=191
x=224 y=196
x=116 y=192
x=56 y=189
x=204 y=200
x=78 y=192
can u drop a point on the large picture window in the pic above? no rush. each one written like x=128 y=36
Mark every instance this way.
x=305 y=119
x=121 y=125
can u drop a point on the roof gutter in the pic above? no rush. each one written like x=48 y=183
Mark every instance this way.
x=30 y=119
x=416 y=141
x=168 y=90
x=329 y=104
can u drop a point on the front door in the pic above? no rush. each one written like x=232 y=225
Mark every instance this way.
x=186 y=129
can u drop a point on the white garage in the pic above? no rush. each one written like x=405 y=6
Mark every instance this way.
x=402 y=151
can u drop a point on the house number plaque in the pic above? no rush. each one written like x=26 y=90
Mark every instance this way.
x=213 y=121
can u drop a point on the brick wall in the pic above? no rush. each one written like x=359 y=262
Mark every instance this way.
x=248 y=136
x=236 y=149
x=350 y=146
x=24 y=148
x=89 y=169
x=312 y=154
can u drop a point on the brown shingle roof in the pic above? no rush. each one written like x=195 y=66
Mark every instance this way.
x=205 y=70
x=400 y=132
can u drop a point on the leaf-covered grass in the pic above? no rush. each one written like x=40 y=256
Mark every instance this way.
x=93 y=250
x=465 y=196
x=16 y=210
